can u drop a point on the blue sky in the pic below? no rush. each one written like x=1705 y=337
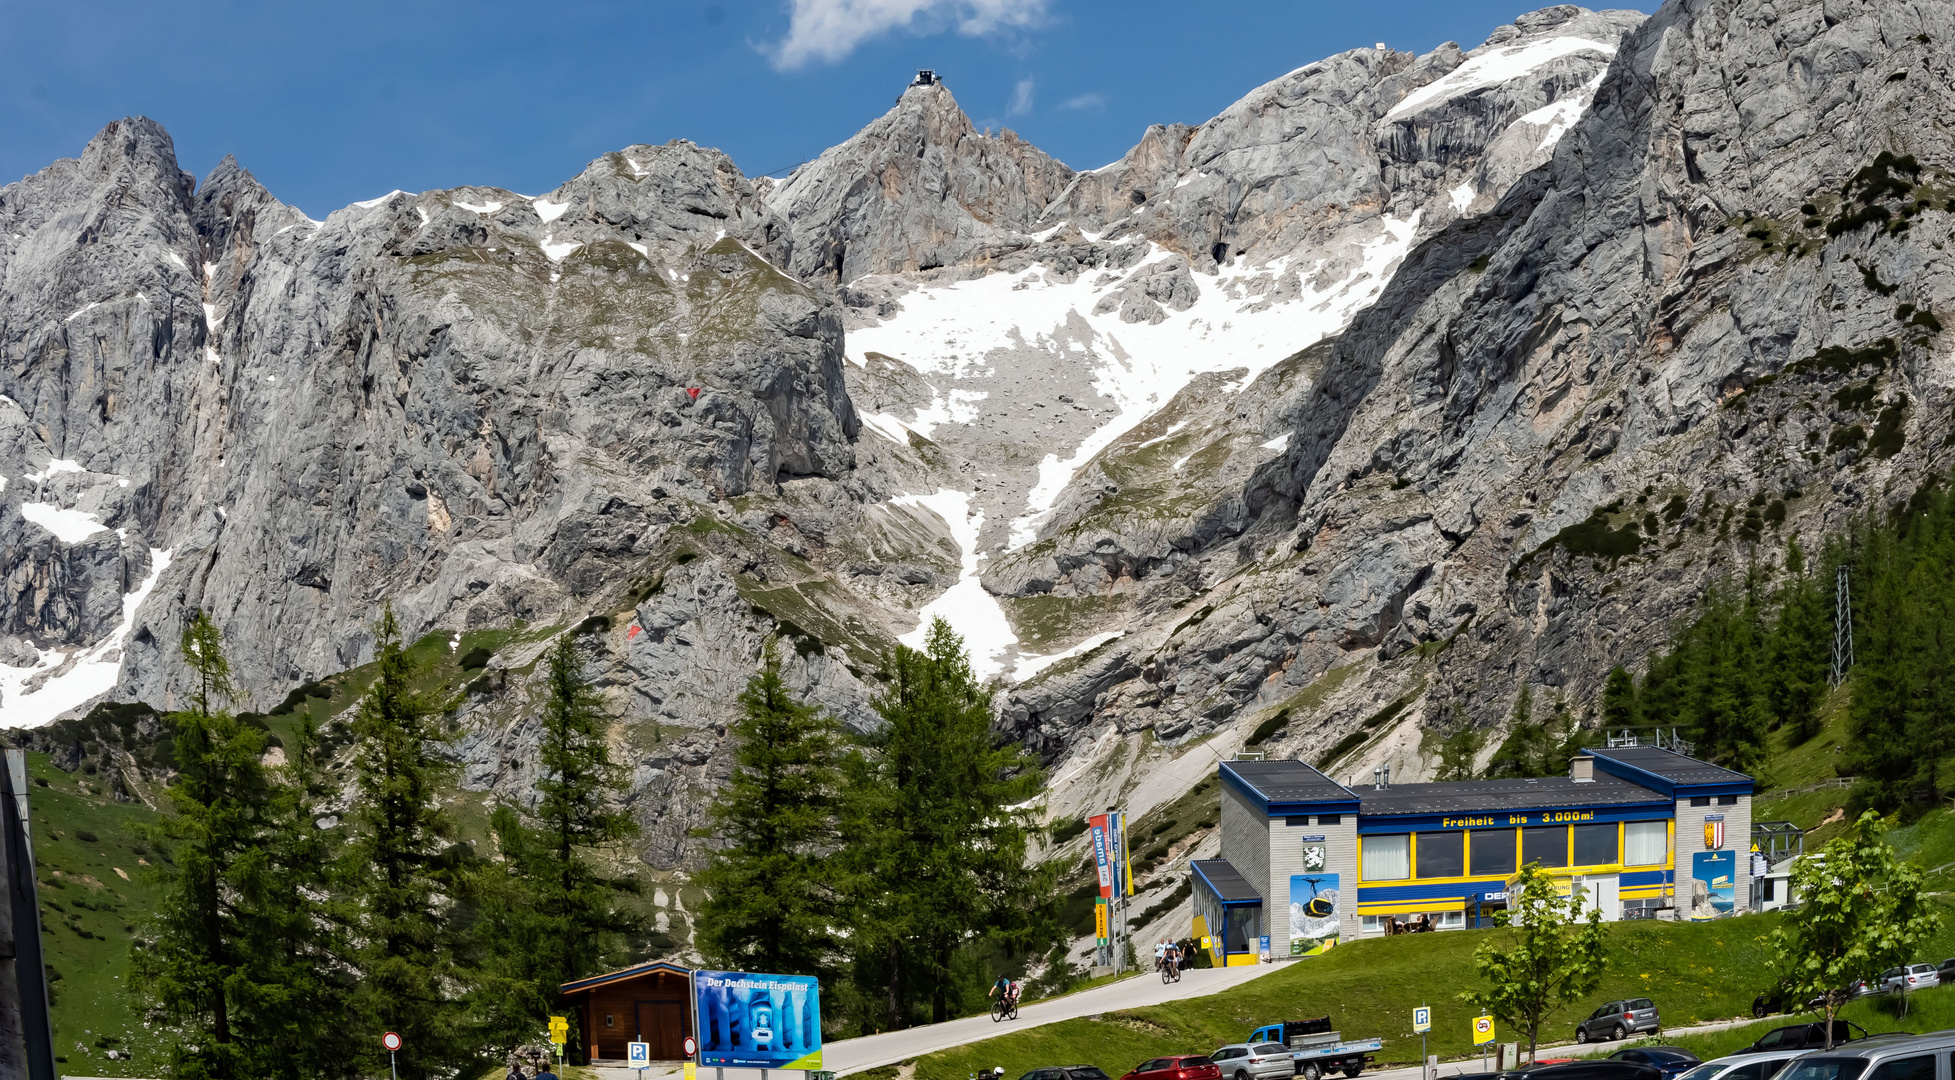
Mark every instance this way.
x=329 y=103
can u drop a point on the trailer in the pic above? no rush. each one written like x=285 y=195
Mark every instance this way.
x=1317 y=1049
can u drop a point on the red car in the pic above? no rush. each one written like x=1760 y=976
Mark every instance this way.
x=1178 y=1067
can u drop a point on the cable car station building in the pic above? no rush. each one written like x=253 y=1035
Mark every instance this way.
x=1639 y=832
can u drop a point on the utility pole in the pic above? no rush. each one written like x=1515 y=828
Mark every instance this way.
x=1842 y=627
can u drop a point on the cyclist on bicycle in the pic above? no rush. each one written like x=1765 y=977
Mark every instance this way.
x=1007 y=989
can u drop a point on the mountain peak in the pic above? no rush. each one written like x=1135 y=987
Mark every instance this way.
x=918 y=188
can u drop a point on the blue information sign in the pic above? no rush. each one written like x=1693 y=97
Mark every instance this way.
x=758 y=1021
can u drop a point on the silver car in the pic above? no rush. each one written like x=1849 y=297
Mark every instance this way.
x=1255 y=1061
x=1909 y=978
x=1742 y=1066
x=1618 y=1020
x=1882 y=1057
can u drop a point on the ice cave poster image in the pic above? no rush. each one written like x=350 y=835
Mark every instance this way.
x=758 y=1021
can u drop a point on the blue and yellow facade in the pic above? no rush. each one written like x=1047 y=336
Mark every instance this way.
x=1641 y=832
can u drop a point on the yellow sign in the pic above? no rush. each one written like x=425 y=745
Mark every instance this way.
x=692 y=1071
x=1482 y=1030
x=559 y=1029
x=1099 y=920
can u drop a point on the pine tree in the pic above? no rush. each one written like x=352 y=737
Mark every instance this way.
x=402 y=872
x=556 y=915
x=932 y=831
x=201 y=960
x=1619 y=709
x=303 y=1006
x=771 y=899
x=1520 y=754
x=1456 y=741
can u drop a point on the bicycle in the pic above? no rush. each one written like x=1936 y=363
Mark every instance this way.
x=1005 y=1008
x=1171 y=972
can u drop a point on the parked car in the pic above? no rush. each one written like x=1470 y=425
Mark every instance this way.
x=1781 y=999
x=1598 y=1069
x=1671 y=1060
x=1617 y=1019
x=1176 y=1067
x=1910 y=977
x=1066 y=1072
x=1911 y=1057
x=1805 y=1037
x=1742 y=1066
x=1255 y=1061
x=1945 y=971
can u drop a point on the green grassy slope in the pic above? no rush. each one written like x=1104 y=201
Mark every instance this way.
x=1694 y=971
x=89 y=914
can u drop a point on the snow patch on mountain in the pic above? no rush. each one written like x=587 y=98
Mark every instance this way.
x=1493 y=67
x=972 y=612
x=63 y=680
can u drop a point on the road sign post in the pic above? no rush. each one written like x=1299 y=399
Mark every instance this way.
x=559 y=1035
x=1422 y=1023
x=1482 y=1035
x=393 y=1043
x=639 y=1056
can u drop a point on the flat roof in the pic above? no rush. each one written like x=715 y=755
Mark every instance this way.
x=1664 y=770
x=1222 y=879
x=1288 y=782
x=1482 y=796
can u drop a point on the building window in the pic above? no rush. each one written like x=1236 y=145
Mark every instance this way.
x=1595 y=845
x=1368 y=925
x=1645 y=843
x=1727 y=800
x=1700 y=800
x=1330 y=819
x=1386 y=858
x=1547 y=845
x=1493 y=851
x=1442 y=854
x=1771 y=890
x=610 y=1020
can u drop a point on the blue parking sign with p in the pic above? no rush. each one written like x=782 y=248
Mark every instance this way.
x=639 y=1054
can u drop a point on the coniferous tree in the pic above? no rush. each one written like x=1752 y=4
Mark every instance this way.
x=1798 y=648
x=302 y=1008
x=932 y=832
x=201 y=960
x=1520 y=753
x=1619 y=708
x=1456 y=742
x=555 y=914
x=771 y=888
x=402 y=874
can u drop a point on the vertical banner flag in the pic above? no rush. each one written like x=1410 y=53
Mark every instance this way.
x=1123 y=877
x=1097 y=826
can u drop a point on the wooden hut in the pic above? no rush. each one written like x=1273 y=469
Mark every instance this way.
x=649 y=1003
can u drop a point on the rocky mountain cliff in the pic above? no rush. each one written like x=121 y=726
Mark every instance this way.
x=1404 y=382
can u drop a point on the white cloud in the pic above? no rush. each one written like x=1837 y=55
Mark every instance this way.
x=828 y=30
x=1083 y=102
x=1021 y=98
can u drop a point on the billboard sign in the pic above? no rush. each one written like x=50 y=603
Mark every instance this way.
x=1713 y=884
x=757 y=1021
x=1313 y=913
x=1102 y=858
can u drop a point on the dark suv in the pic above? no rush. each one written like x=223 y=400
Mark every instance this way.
x=1806 y=1036
x=1604 y=1069
x=1617 y=1019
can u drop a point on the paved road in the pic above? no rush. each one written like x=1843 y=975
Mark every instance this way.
x=854 y=1055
